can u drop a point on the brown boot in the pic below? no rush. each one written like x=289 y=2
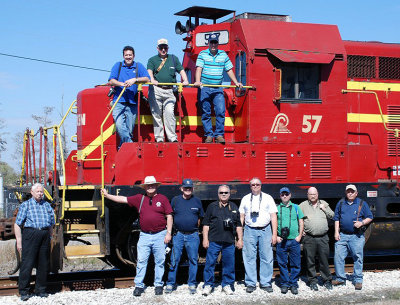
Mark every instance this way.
x=338 y=283
x=209 y=140
x=358 y=286
x=220 y=139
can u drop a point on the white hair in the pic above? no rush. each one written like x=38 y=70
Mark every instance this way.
x=36 y=185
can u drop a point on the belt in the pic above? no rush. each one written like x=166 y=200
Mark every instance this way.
x=151 y=232
x=40 y=229
x=187 y=232
x=258 y=228
x=347 y=233
x=308 y=234
x=164 y=87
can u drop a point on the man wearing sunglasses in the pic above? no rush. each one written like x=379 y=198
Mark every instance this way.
x=258 y=216
x=290 y=231
x=188 y=210
x=220 y=225
x=155 y=218
x=162 y=68
x=352 y=215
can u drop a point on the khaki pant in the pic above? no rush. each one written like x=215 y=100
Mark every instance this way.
x=162 y=105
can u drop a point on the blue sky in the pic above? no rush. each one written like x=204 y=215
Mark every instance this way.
x=92 y=33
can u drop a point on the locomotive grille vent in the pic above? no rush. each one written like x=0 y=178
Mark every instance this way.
x=275 y=165
x=389 y=67
x=202 y=152
x=229 y=152
x=393 y=122
x=360 y=66
x=320 y=165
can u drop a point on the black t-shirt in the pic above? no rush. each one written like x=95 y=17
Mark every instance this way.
x=214 y=218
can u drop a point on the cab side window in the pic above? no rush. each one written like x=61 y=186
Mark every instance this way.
x=300 y=81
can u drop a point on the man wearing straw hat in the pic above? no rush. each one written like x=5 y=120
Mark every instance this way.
x=155 y=218
x=210 y=66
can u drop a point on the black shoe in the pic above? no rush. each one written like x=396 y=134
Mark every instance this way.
x=267 y=289
x=284 y=289
x=314 y=286
x=328 y=285
x=158 y=290
x=250 y=289
x=338 y=283
x=25 y=297
x=294 y=290
x=138 y=292
x=42 y=294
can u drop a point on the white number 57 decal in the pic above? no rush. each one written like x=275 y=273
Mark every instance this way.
x=307 y=123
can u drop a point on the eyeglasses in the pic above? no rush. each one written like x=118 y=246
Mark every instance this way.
x=187 y=188
x=151 y=186
x=163 y=47
x=284 y=194
x=255 y=184
x=223 y=193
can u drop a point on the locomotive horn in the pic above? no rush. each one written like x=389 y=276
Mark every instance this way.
x=189 y=26
x=179 y=28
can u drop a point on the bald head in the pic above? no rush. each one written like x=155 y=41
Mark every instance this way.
x=312 y=195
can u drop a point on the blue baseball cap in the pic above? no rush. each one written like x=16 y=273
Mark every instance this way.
x=187 y=183
x=284 y=189
x=213 y=37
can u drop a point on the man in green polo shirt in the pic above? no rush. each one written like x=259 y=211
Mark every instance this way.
x=290 y=231
x=162 y=68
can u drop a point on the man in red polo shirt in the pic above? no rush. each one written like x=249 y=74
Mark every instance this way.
x=155 y=217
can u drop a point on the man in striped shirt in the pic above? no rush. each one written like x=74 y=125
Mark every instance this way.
x=36 y=216
x=211 y=64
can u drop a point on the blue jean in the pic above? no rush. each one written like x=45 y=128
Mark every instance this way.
x=210 y=95
x=251 y=239
x=124 y=115
x=228 y=263
x=289 y=248
x=191 y=243
x=150 y=243
x=355 y=244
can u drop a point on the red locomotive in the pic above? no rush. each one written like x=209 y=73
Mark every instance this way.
x=322 y=112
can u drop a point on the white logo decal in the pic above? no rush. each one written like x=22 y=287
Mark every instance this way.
x=280 y=124
x=158 y=204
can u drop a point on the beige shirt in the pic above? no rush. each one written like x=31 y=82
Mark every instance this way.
x=316 y=220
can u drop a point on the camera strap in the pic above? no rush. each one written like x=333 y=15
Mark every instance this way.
x=259 y=203
x=290 y=217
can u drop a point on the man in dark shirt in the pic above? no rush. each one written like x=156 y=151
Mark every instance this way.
x=221 y=222
x=351 y=215
x=154 y=215
x=36 y=216
x=188 y=210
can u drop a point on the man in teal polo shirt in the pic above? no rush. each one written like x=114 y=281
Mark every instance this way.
x=290 y=231
x=211 y=64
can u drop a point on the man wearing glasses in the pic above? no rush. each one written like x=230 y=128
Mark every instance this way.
x=316 y=241
x=155 y=217
x=188 y=210
x=258 y=216
x=220 y=225
x=162 y=68
x=211 y=64
x=290 y=231
x=352 y=215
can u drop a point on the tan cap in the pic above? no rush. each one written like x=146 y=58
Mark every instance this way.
x=162 y=41
x=149 y=180
x=351 y=187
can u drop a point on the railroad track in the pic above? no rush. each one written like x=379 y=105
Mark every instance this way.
x=90 y=280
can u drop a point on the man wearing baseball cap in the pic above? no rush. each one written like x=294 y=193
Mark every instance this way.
x=290 y=231
x=188 y=210
x=155 y=218
x=162 y=68
x=211 y=64
x=352 y=215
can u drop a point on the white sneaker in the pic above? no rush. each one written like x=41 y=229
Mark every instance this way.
x=207 y=290
x=227 y=289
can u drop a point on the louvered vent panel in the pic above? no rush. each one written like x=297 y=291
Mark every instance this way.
x=320 y=165
x=275 y=165
x=229 y=152
x=393 y=122
x=202 y=152
x=361 y=66
x=389 y=68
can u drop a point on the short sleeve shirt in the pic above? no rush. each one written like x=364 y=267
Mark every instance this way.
x=213 y=66
x=263 y=203
x=35 y=214
x=136 y=70
x=167 y=73
x=187 y=213
x=214 y=218
x=288 y=216
x=153 y=212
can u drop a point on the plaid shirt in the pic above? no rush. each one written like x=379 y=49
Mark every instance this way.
x=35 y=214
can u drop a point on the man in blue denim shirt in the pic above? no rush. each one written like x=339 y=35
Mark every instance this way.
x=126 y=74
x=351 y=215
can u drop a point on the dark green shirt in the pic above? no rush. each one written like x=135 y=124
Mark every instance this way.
x=288 y=217
x=167 y=74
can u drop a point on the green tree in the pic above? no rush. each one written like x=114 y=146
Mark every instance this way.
x=10 y=177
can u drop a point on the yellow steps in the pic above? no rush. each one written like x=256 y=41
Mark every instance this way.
x=83 y=251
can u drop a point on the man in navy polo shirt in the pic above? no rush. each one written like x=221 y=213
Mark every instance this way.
x=351 y=215
x=188 y=210
x=126 y=74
